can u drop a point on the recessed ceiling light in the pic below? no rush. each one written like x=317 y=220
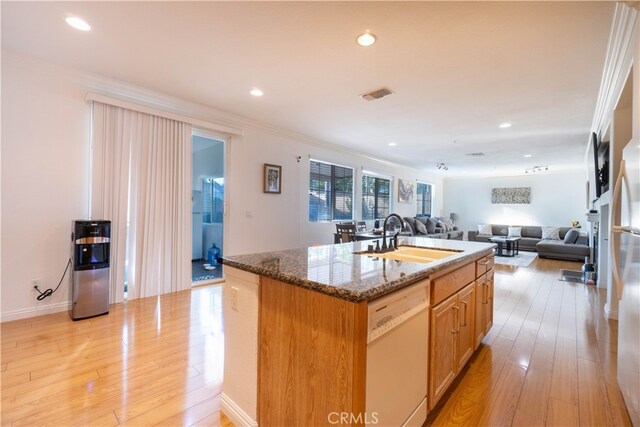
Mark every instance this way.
x=366 y=39
x=527 y=155
x=78 y=24
x=392 y=144
x=505 y=125
x=256 y=92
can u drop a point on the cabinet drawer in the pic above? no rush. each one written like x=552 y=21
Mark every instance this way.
x=484 y=264
x=450 y=283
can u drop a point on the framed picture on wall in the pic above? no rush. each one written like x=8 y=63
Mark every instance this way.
x=405 y=191
x=272 y=178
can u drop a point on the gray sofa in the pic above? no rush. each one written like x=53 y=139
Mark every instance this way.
x=566 y=248
x=436 y=228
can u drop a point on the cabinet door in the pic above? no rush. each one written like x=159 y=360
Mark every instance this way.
x=481 y=301
x=488 y=307
x=466 y=322
x=442 y=348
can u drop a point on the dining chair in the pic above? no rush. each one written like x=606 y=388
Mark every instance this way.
x=361 y=226
x=346 y=232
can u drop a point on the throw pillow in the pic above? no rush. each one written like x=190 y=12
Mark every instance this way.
x=411 y=223
x=440 y=222
x=450 y=224
x=420 y=228
x=572 y=236
x=551 y=233
x=484 y=229
x=431 y=226
x=515 y=232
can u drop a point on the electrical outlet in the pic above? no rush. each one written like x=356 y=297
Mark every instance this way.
x=234 y=298
x=35 y=282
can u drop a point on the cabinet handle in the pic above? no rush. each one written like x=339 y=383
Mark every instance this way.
x=485 y=293
x=456 y=317
x=489 y=297
x=465 y=315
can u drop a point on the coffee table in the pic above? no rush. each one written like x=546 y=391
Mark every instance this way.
x=507 y=246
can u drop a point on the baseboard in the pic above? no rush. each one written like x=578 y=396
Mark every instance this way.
x=235 y=413
x=35 y=311
x=610 y=314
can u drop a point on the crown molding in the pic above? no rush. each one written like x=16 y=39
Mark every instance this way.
x=618 y=62
x=100 y=85
x=633 y=4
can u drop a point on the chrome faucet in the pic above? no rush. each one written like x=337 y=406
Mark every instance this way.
x=392 y=246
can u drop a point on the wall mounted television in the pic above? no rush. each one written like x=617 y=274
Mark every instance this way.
x=597 y=182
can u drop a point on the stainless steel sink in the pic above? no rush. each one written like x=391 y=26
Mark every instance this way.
x=412 y=254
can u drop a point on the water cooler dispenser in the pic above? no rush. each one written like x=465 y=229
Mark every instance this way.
x=90 y=278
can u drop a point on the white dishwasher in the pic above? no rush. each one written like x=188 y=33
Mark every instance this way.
x=397 y=352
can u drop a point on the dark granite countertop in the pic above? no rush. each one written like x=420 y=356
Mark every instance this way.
x=335 y=270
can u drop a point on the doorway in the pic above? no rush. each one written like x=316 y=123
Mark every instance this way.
x=207 y=208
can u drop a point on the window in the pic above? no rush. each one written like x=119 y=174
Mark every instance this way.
x=330 y=192
x=212 y=200
x=375 y=197
x=424 y=199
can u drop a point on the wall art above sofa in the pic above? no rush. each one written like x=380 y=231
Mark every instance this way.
x=511 y=196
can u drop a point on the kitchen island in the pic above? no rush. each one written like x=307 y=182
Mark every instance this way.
x=298 y=333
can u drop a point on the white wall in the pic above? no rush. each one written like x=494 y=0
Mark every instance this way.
x=45 y=172
x=45 y=166
x=261 y=222
x=556 y=200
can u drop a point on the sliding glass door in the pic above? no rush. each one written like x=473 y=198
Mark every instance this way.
x=207 y=208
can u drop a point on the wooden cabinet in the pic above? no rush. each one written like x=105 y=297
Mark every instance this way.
x=452 y=340
x=461 y=315
x=484 y=264
x=442 y=357
x=466 y=325
x=484 y=306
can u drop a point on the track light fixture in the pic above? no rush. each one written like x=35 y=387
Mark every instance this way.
x=442 y=166
x=537 y=169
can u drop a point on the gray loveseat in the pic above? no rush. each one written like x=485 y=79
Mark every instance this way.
x=569 y=248
x=435 y=228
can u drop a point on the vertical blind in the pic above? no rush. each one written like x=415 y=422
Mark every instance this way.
x=141 y=181
x=330 y=192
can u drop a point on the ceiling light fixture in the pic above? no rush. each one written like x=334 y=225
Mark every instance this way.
x=392 y=144
x=366 y=39
x=537 y=169
x=256 y=92
x=77 y=23
x=505 y=125
x=442 y=166
x=527 y=155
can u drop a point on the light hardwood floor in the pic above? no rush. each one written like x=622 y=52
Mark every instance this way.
x=151 y=361
x=548 y=360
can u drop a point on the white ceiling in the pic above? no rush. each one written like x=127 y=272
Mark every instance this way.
x=457 y=70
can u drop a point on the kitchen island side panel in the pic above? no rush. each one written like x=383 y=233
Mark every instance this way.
x=312 y=355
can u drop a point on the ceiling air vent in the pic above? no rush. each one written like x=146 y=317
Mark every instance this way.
x=475 y=154
x=376 y=94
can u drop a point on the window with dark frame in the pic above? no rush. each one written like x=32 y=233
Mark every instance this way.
x=424 y=198
x=330 y=192
x=375 y=197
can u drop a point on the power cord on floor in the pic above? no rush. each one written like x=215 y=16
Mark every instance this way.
x=50 y=291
